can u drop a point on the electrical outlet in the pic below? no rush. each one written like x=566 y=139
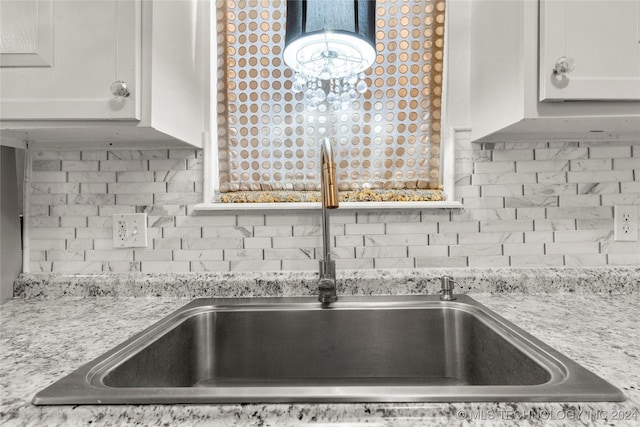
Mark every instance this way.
x=130 y=230
x=625 y=219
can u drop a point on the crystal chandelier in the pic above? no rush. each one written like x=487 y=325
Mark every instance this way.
x=334 y=93
x=329 y=44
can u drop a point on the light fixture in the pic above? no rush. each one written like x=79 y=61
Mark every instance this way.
x=330 y=43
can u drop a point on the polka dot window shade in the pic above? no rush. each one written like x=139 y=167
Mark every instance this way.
x=388 y=139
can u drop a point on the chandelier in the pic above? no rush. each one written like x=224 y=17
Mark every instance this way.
x=329 y=44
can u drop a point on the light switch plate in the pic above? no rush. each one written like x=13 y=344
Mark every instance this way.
x=130 y=230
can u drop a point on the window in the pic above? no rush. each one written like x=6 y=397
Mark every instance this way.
x=386 y=144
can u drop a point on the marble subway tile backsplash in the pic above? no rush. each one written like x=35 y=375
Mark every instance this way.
x=526 y=204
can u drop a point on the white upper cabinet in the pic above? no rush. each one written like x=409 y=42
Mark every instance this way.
x=600 y=40
x=60 y=58
x=513 y=47
x=105 y=73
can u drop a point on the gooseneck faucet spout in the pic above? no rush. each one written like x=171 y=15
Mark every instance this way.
x=329 y=193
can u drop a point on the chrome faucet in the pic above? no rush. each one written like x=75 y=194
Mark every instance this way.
x=329 y=193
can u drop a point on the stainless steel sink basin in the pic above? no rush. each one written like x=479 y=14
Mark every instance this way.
x=392 y=349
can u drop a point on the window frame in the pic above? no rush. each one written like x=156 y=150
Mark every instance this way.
x=448 y=136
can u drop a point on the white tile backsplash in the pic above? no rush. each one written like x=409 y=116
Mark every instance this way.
x=566 y=248
x=623 y=259
x=542 y=165
x=382 y=252
x=525 y=204
x=442 y=262
x=282 y=254
x=428 y=251
x=564 y=153
x=600 y=176
x=608 y=152
x=124 y=165
x=511 y=154
x=197 y=255
x=266 y=265
x=591 y=164
x=386 y=263
x=585 y=260
x=154 y=255
x=488 y=261
x=209 y=266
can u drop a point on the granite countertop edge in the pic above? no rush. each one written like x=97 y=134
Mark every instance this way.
x=608 y=280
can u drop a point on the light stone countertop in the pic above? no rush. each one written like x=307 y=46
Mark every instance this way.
x=602 y=280
x=43 y=339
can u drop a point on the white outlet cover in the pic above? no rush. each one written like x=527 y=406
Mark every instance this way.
x=130 y=230
x=625 y=223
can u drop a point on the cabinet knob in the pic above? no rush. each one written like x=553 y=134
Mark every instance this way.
x=564 y=65
x=120 y=89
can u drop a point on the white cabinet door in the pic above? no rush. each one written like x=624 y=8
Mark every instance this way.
x=59 y=59
x=603 y=39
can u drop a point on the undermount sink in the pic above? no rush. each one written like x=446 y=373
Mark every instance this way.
x=360 y=349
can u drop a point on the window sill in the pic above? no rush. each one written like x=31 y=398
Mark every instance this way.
x=234 y=207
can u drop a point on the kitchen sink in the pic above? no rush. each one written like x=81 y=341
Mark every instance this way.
x=359 y=349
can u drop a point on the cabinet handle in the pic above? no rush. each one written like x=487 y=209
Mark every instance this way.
x=564 y=65
x=120 y=89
